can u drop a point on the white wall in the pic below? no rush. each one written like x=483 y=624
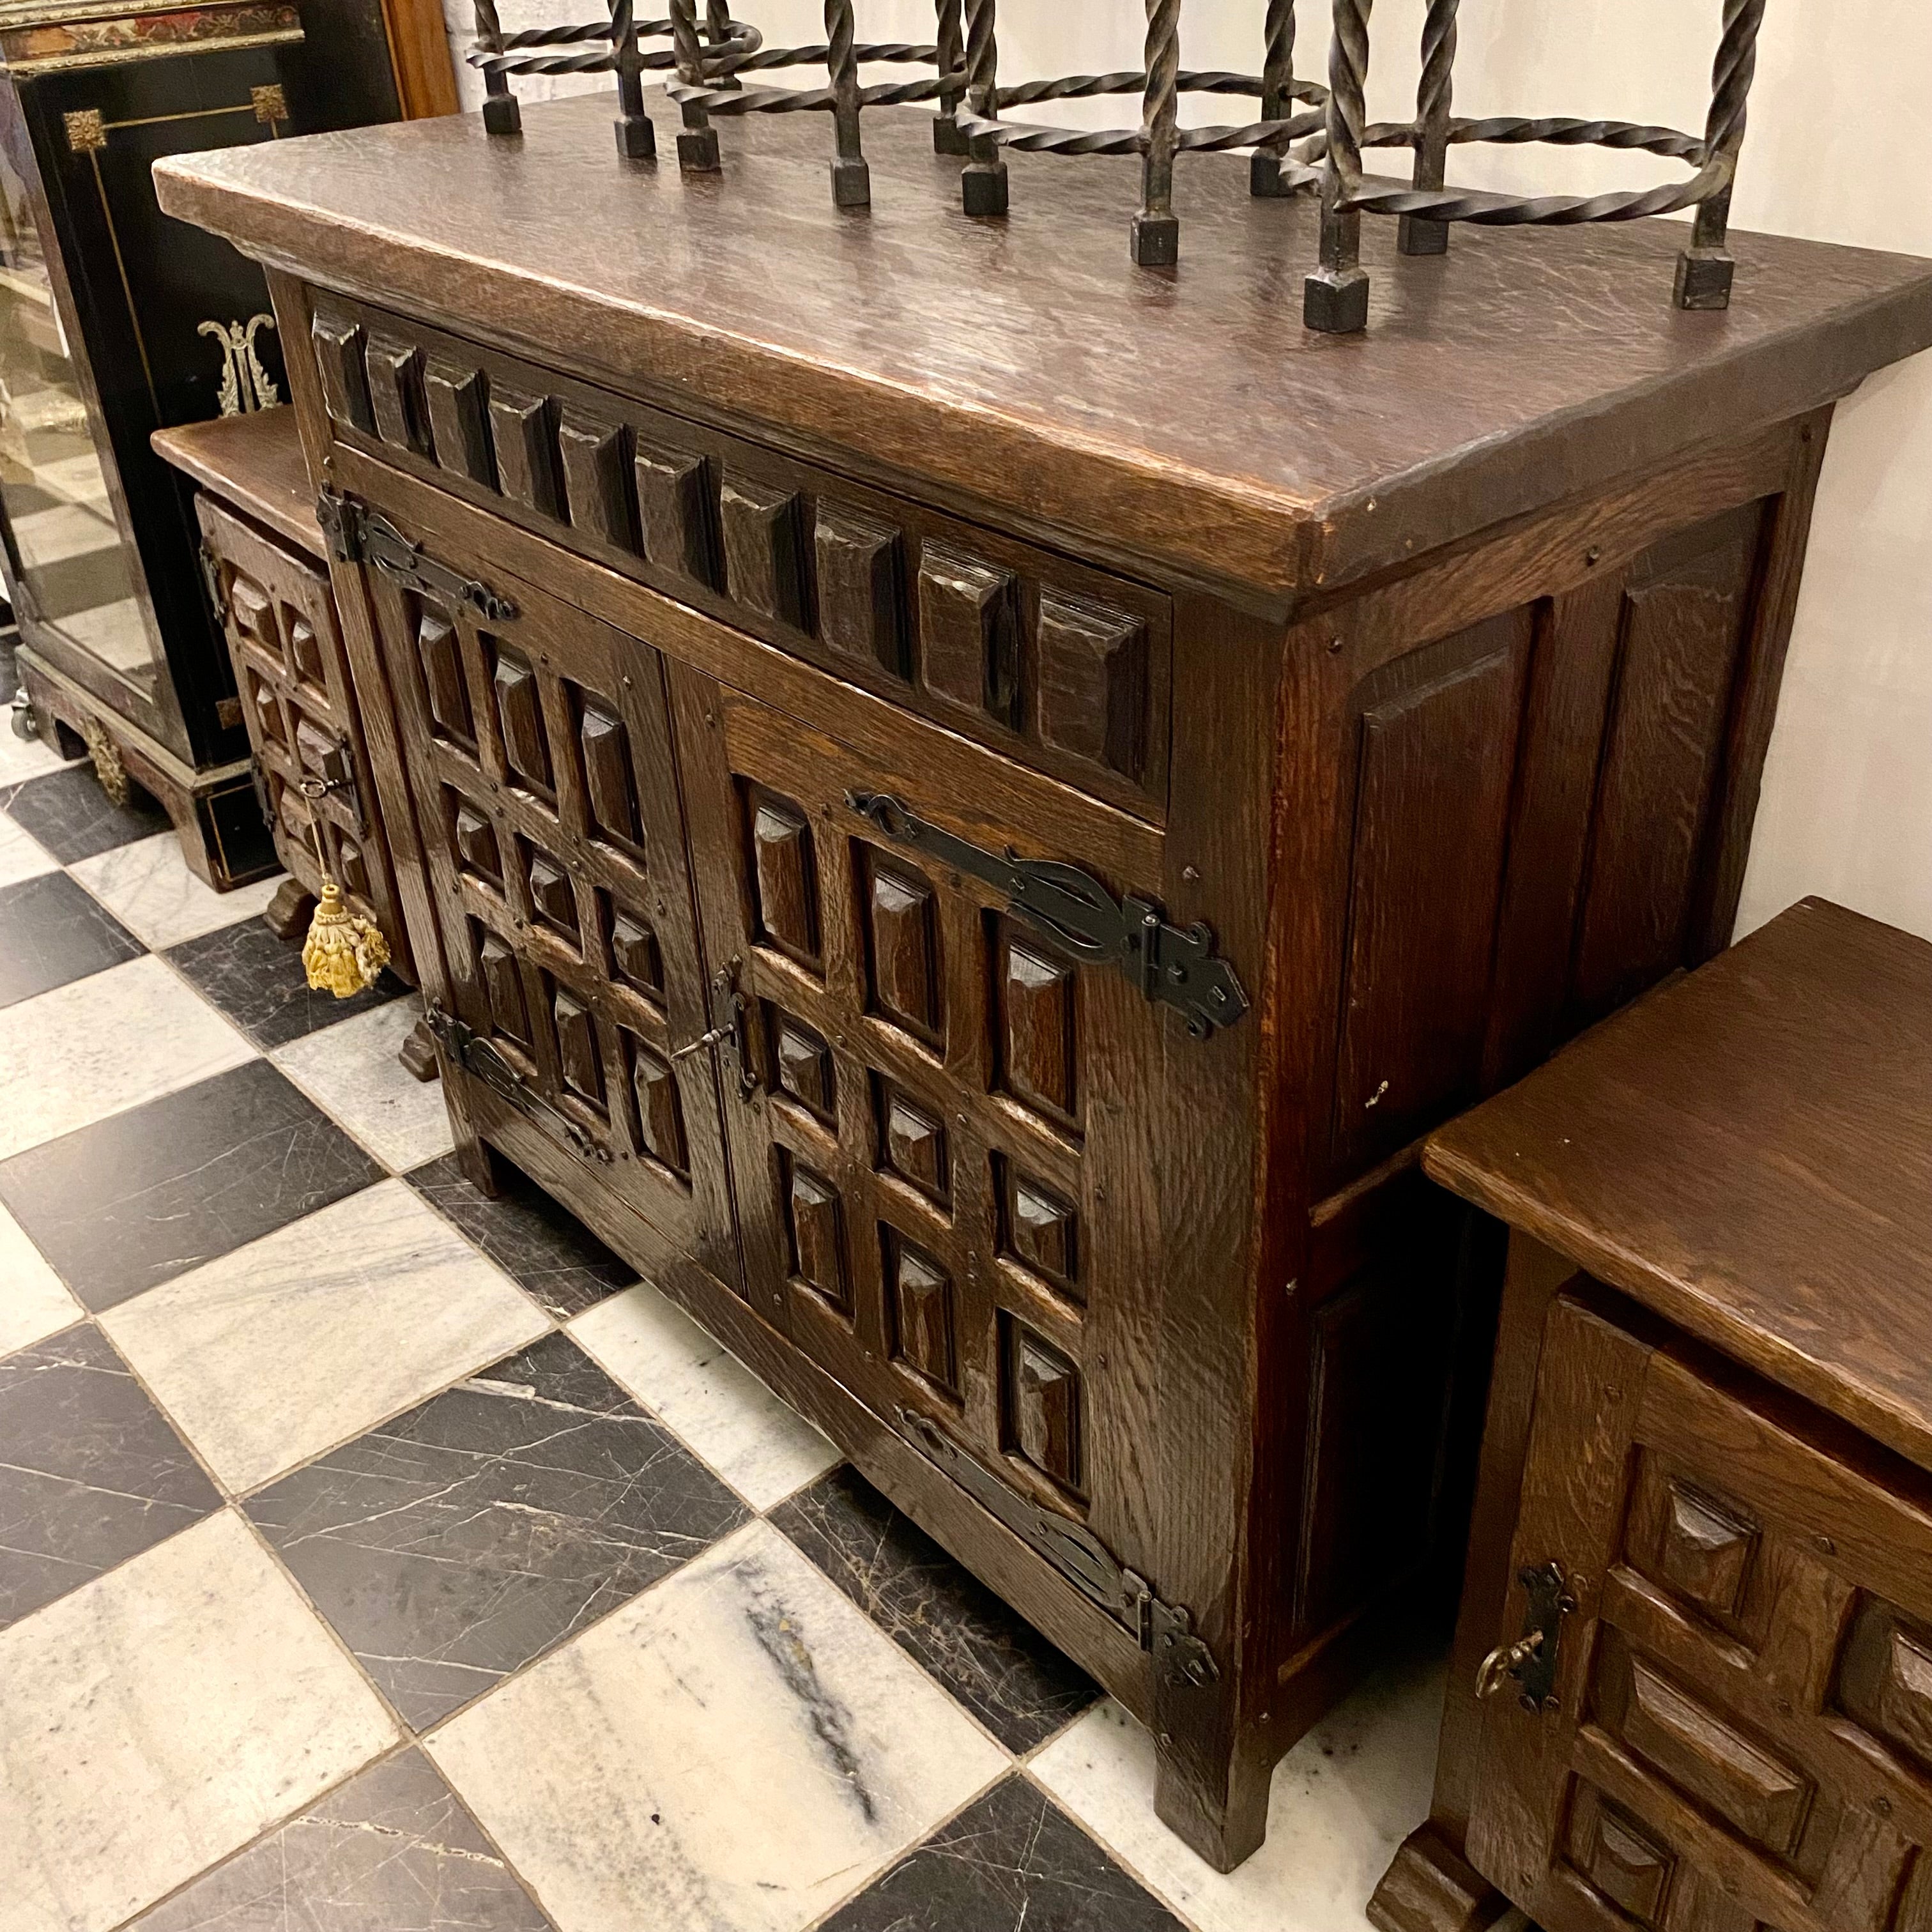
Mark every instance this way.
x=1835 y=152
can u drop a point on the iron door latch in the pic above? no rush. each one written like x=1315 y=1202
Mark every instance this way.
x=1165 y=1631
x=1530 y=1662
x=356 y=534
x=729 y=1030
x=1172 y=966
x=466 y=1048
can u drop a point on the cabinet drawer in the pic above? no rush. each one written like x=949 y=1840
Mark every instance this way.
x=1738 y=1731
x=1064 y=667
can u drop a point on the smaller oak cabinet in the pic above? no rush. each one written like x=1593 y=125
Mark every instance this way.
x=966 y=807
x=1692 y=1686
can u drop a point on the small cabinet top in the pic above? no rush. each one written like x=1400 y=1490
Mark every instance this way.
x=1181 y=414
x=1748 y=1152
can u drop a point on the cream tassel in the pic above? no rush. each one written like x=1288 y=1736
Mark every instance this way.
x=344 y=953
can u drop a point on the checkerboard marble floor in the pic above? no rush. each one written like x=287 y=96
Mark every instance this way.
x=376 y=1557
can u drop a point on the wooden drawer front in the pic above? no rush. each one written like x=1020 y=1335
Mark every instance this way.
x=538 y=751
x=941 y=1172
x=279 y=614
x=1063 y=666
x=1743 y=1736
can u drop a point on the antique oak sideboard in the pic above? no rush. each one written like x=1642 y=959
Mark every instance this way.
x=966 y=805
x=1692 y=1684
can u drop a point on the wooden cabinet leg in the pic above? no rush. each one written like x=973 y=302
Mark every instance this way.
x=1223 y=1820
x=481 y=1165
x=418 y=1052
x=287 y=914
x=1431 y=1888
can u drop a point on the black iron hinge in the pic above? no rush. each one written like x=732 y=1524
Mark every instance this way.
x=1165 y=1630
x=466 y=1048
x=356 y=534
x=211 y=577
x=1172 y=966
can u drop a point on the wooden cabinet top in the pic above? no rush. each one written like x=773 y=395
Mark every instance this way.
x=1185 y=415
x=1748 y=1151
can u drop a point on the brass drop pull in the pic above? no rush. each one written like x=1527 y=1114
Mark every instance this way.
x=1494 y=1673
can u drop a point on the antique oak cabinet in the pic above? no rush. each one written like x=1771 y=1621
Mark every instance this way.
x=966 y=805
x=1698 y=1595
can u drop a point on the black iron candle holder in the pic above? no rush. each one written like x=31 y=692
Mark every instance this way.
x=1336 y=296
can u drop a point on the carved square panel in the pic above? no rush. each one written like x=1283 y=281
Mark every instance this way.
x=858 y=559
x=345 y=383
x=660 y=1110
x=474 y=836
x=577 y=1050
x=553 y=897
x=919 y=1294
x=440 y=651
x=1039 y=1228
x=351 y=869
x=675 y=499
x=1619 y=1858
x=1035 y=996
x=268 y=709
x=252 y=611
x=608 y=790
x=969 y=633
x=815 y=1233
x=1094 y=682
x=912 y=1140
x=1705 y=1550
x=502 y=989
x=636 y=959
x=458 y=400
x=396 y=395
x=784 y=868
x=762 y=564
x=902 y=946
x=520 y=716
x=522 y=428
x=305 y=647
x=1885 y=1679
x=803 y=1062
x=321 y=752
x=596 y=479
x=1042 y=1403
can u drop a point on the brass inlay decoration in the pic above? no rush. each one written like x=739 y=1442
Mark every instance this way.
x=86 y=131
x=246 y=386
x=118 y=37
x=107 y=756
x=271 y=103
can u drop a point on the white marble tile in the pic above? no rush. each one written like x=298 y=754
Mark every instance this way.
x=699 y=1389
x=1342 y=1802
x=34 y=1301
x=157 y=1720
x=317 y=1332
x=21 y=857
x=101 y=1045
x=23 y=758
x=734 y=1750
x=148 y=887
x=351 y=1071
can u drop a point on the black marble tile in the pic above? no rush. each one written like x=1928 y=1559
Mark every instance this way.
x=130 y=1201
x=69 y=814
x=90 y=1472
x=529 y=1235
x=995 y=1662
x=52 y=930
x=451 y=1546
x=257 y=981
x=1011 y=1858
x=391 y=1851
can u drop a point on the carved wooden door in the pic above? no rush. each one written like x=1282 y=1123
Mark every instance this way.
x=538 y=746
x=1741 y=1733
x=941 y=1152
x=278 y=612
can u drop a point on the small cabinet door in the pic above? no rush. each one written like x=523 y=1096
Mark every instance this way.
x=942 y=1149
x=538 y=751
x=279 y=615
x=1738 y=1735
